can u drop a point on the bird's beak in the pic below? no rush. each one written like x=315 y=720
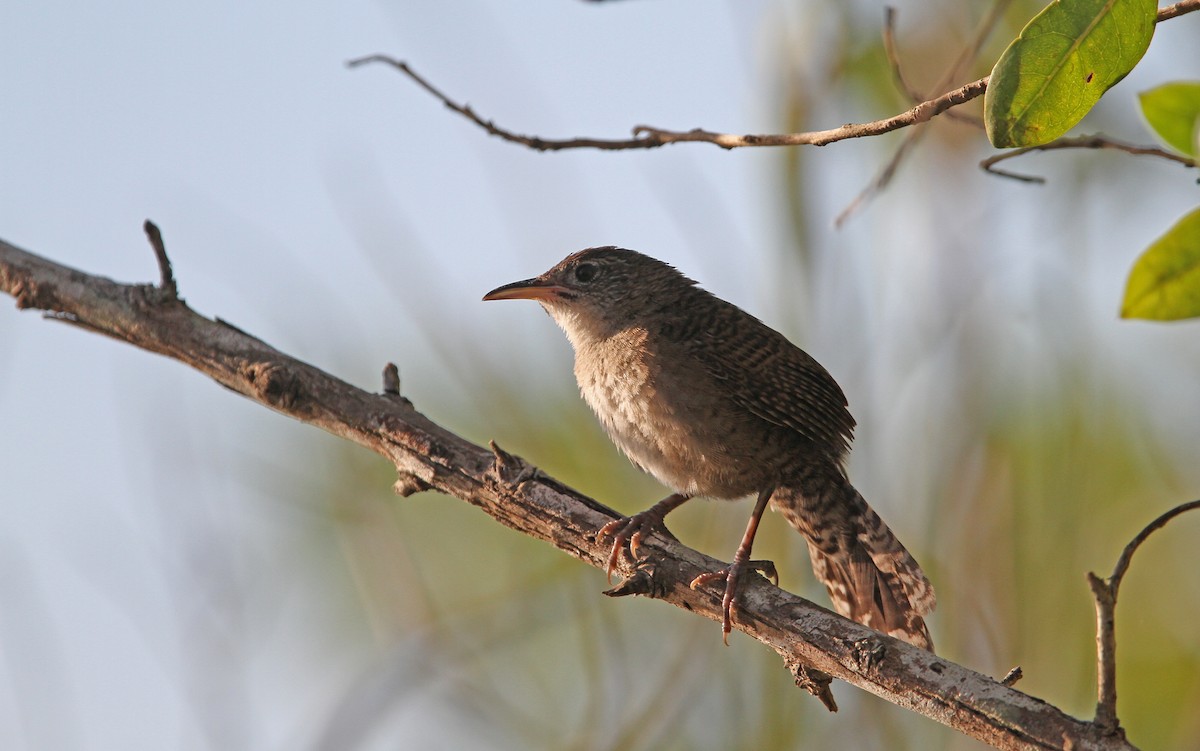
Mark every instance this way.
x=536 y=288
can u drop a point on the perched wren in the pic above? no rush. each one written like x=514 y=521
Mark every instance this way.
x=713 y=402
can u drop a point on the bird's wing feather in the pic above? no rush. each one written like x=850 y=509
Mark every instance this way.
x=772 y=378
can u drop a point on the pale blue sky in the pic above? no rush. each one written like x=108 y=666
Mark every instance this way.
x=297 y=198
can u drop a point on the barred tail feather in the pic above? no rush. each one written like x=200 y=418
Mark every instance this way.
x=862 y=592
x=870 y=576
x=891 y=557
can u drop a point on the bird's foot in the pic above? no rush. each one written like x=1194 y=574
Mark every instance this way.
x=628 y=532
x=731 y=575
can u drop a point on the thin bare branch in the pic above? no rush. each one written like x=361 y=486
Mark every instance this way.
x=1178 y=9
x=1095 y=141
x=534 y=142
x=516 y=494
x=649 y=137
x=1105 y=594
x=1114 y=581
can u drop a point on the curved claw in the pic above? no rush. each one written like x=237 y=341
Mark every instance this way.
x=731 y=575
x=613 y=557
x=766 y=568
x=626 y=534
x=628 y=531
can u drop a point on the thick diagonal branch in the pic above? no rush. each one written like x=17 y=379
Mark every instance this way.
x=427 y=456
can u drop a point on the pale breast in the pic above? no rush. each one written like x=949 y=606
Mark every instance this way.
x=657 y=418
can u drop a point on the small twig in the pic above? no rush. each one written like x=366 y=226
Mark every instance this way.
x=816 y=683
x=1122 y=566
x=1105 y=594
x=1106 y=655
x=649 y=137
x=167 y=283
x=1012 y=676
x=533 y=142
x=391 y=379
x=1095 y=141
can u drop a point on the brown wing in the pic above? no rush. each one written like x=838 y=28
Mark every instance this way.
x=769 y=376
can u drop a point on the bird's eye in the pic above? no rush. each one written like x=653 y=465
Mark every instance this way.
x=586 y=272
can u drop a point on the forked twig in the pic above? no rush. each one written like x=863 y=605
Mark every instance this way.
x=1105 y=593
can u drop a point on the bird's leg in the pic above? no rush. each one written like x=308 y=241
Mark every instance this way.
x=741 y=564
x=627 y=532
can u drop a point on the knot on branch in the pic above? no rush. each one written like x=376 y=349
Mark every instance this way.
x=391 y=379
x=509 y=469
x=29 y=294
x=407 y=485
x=1012 y=676
x=868 y=653
x=143 y=297
x=276 y=385
x=813 y=681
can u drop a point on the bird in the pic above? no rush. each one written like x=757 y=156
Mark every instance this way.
x=714 y=403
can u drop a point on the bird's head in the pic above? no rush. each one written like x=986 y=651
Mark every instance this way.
x=600 y=291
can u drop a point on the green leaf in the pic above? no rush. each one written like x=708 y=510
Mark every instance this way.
x=1165 y=282
x=1060 y=65
x=1173 y=111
